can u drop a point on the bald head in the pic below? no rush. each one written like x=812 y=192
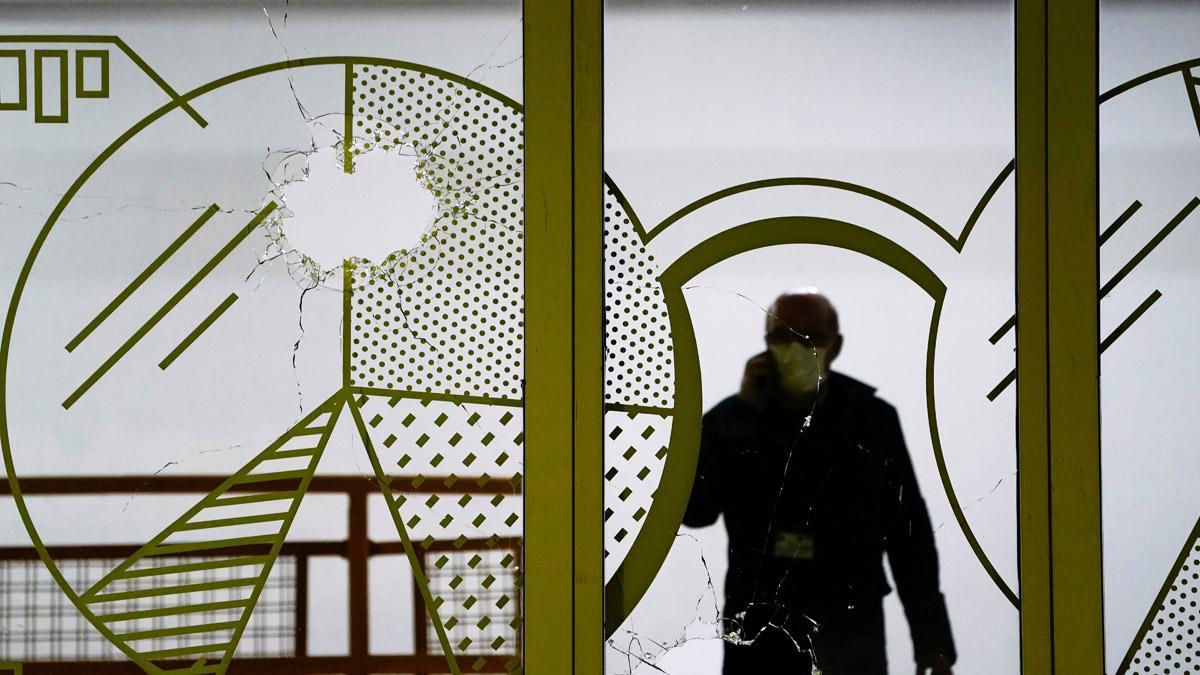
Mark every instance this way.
x=806 y=316
x=805 y=311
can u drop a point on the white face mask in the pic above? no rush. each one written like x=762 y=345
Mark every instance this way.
x=801 y=369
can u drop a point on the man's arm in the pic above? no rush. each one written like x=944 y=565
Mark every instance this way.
x=912 y=555
x=704 y=504
x=758 y=383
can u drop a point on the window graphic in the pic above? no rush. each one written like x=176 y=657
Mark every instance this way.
x=263 y=394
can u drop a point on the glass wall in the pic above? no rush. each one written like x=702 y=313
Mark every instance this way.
x=809 y=250
x=262 y=368
x=1149 y=178
x=263 y=354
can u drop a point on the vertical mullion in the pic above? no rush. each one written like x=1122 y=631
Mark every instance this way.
x=588 y=156
x=1058 y=364
x=1033 y=419
x=549 y=479
x=563 y=337
x=1074 y=310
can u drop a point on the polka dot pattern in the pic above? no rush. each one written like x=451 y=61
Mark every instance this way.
x=445 y=315
x=639 y=371
x=639 y=362
x=1171 y=644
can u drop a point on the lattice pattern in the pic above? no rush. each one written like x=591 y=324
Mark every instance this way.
x=635 y=451
x=196 y=609
x=474 y=446
x=459 y=516
x=445 y=316
x=479 y=603
x=39 y=623
x=1171 y=644
x=638 y=352
x=432 y=437
x=417 y=439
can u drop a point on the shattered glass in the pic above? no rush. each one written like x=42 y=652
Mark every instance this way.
x=322 y=240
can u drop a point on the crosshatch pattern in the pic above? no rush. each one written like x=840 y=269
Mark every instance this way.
x=40 y=623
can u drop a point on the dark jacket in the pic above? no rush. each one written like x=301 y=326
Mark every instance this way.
x=811 y=509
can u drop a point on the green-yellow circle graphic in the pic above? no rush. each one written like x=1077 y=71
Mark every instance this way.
x=430 y=378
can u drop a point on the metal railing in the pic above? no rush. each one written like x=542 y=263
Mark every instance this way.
x=40 y=627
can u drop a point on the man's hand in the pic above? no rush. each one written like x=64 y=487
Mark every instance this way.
x=939 y=665
x=758 y=381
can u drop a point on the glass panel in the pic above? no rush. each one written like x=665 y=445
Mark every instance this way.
x=865 y=151
x=1149 y=119
x=311 y=253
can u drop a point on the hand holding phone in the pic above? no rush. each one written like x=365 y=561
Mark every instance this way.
x=759 y=380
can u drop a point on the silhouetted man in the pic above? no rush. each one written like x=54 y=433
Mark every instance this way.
x=811 y=472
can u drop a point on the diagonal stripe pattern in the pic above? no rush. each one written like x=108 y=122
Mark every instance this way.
x=189 y=592
x=1112 y=283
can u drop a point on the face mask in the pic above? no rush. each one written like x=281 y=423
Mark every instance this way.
x=801 y=368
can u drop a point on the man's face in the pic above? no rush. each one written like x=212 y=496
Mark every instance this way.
x=803 y=340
